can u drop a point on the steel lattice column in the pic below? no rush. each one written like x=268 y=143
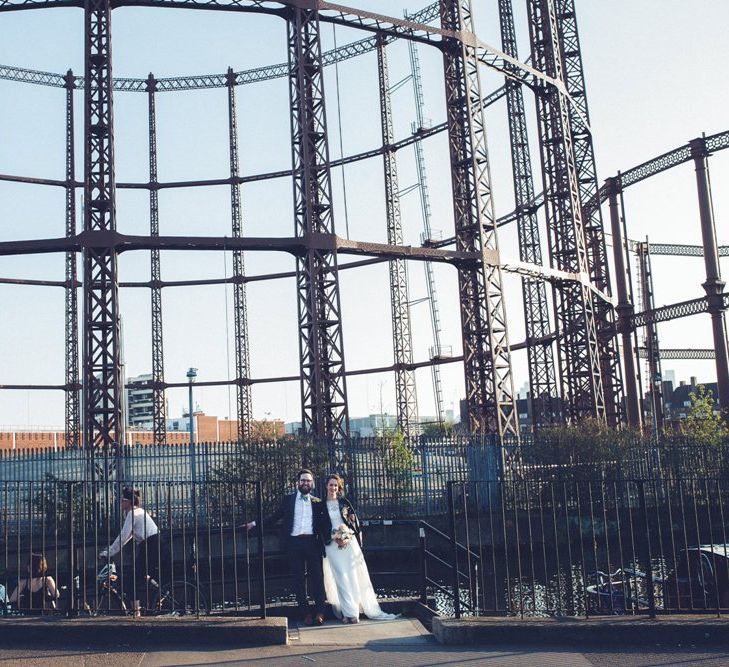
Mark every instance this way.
x=323 y=385
x=625 y=307
x=419 y=127
x=405 y=392
x=240 y=307
x=104 y=425
x=73 y=385
x=593 y=223
x=487 y=361
x=655 y=375
x=159 y=424
x=578 y=348
x=542 y=377
x=714 y=285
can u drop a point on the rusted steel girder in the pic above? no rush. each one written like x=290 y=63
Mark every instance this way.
x=240 y=303
x=73 y=382
x=159 y=421
x=487 y=362
x=406 y=399
x=544 y=391
x=578 y=346
x=324 y=405
x=104 y=425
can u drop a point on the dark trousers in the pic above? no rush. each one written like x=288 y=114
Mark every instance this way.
x=140 y=562
x=305 y=556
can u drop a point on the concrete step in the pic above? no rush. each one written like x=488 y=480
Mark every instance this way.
x=615 y=631
x=400 y=631
x=182 y=631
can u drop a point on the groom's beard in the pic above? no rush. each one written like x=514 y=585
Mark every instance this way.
x=304 y=490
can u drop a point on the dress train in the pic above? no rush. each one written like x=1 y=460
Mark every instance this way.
x=348 y=585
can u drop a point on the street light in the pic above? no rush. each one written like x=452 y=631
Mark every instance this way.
x=191 y=375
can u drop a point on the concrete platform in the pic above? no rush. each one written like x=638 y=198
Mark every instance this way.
x=181 y=631
x=617 y=631
x=401 y=631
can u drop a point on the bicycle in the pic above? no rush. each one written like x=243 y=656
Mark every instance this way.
x=171 y=597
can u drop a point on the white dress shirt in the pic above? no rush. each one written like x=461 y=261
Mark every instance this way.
x=303 y=520
x=138 y=525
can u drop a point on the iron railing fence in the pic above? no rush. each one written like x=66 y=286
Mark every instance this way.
x=201 y=558
x=385 y=477
x=520 y=547
x=584 y=547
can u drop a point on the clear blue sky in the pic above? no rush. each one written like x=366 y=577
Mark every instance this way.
x=656 y=77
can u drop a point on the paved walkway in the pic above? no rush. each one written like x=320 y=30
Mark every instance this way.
x=399 y=643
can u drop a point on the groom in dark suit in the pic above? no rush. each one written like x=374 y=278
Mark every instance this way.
x=300 y=515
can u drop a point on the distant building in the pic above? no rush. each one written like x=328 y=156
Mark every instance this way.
x=361 y=427
x=372 y=425
x=208 y=428
x=139 y=402
x=677 y=403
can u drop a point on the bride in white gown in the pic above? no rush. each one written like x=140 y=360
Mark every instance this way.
x=346 y=579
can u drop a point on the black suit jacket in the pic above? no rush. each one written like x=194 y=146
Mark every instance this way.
x=285 y=515
x=325 y=523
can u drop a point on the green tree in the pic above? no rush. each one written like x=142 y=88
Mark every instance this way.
x=398 y=463
x=702 y=425
x=438 y=429
x=588 y=449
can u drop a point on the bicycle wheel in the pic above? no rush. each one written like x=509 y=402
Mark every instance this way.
x=181 y=598
x=109 y=602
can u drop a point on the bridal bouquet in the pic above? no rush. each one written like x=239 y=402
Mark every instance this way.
x=342 y=536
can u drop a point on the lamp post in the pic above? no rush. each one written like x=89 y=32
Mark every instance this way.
x=191 y=375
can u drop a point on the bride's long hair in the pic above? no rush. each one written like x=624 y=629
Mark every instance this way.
x=338 y=480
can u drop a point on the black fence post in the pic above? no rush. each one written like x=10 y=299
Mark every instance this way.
x=261 y=549
x=649 y=555
x=423 y=565
x=71 y=552
x=454 y=554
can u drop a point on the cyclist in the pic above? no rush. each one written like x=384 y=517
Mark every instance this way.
x=142 y=562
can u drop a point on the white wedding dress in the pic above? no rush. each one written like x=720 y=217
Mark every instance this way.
x=346 y=579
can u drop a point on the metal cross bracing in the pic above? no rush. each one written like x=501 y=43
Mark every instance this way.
x=73 y=382
x=425 y=209
x=677 y=249
x=675 y=311
x=578 y=347
x=657 y=165
x=159 y=422
x=487 y=360
x=681 y=353
x=201 y=81
x=323 y=386
x=240 y=307
x=104 y=426
x=405 y=391
x=332 y=13
x=542 y=377
x=574 y=79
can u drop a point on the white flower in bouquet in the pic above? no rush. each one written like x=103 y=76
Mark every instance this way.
x=342 y=535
